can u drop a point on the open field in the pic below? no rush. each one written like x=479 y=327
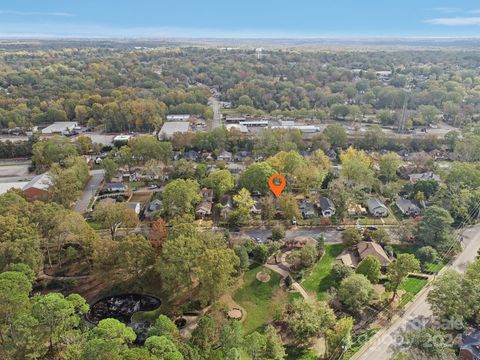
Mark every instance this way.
x=260 y=300
x=319 y=280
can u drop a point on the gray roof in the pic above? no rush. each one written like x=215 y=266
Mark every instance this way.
x=41 y=182
x=406 y=205
x=375 y=203
x=172 y=127
x=60 y=127
x=326 y=203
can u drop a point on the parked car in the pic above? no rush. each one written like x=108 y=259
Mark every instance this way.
x=294 y=221
x=372 y=228
x=340 y=228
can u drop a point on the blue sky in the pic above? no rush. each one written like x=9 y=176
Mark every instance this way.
x=242 y=18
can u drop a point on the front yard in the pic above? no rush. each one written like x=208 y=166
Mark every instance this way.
x=319 y=279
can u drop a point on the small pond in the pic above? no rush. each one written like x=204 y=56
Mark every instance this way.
x=122 y=307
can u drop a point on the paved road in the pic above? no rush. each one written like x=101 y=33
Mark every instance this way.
x=331 y=236
x=419 y=313
x=217 y=115
x=90 y=190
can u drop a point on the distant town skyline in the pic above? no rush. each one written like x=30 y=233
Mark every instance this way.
x=239 y=19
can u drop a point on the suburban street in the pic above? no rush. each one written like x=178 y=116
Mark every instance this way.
x=331 y=235
x=217 y=115
x=89 y=192
x=418 y=313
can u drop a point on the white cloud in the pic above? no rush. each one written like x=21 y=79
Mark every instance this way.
x=447 y=10
x=454 y=21
x=34 y=13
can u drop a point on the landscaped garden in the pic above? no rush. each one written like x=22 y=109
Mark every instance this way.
x=261 y=300
x=319 y=280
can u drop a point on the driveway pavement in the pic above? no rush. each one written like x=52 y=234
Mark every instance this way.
x=96 y=178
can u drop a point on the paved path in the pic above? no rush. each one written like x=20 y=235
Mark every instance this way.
x=418 y=314
x=283 y=269
x=96 y=178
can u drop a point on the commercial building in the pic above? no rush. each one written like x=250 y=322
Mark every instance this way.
x=61 y=128
x=172 y=127
x=37 y=188
x=181 y=117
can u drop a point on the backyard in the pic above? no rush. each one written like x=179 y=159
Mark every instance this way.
x=319 y=279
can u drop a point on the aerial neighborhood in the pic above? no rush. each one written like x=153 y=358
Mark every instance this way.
x=137 y=218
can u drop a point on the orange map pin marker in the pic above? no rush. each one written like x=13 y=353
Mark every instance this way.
x=277 y=188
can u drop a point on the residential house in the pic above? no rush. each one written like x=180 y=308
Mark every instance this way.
x=135 y=206
x=377 y=208
x=192 y=155
x=235 y=169
x=152 y=207
x=348 y=258
x=327 y=206
x=227 y=206
x=370 y=248
x=356 y=210
x=407 y=207
x=429 y=175
x=37 y=188
x=225 y=156
x=469 y=344
x=115 y=187
x=242 y=155
x=307 y=209
x=206 y=194
x=256 y=208
x=204 y=208
x=363 y=249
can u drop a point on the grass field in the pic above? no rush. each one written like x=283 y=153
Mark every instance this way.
x=260 y=300
x=319 y=279
x=412 y=249
x=412 y=287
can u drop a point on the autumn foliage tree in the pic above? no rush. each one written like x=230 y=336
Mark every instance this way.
x=158 y=234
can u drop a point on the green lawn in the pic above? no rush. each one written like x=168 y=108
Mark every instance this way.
x=260 y=300
x=412 y=249
x=319 y=279
x=95 y=225
x=412 y=287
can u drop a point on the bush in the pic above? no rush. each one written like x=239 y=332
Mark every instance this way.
x=427 y=254
x=278 y=232
x=260 y=253
x=340 y=272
